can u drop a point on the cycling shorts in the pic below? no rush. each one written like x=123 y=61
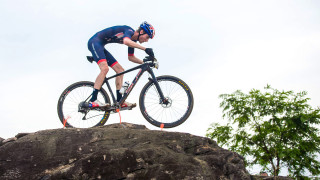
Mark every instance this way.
x=99 y=53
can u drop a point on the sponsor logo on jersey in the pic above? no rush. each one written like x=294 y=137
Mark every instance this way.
x=119 y=35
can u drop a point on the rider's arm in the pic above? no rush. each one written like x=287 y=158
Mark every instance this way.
x=127 y=41
x=135 y=59
x=131 y=56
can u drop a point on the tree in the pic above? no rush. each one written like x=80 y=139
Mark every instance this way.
x=275 y=129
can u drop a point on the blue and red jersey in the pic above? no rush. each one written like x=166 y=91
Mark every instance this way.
x=115 y=34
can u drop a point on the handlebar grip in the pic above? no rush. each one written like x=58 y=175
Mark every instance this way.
x=148 y=58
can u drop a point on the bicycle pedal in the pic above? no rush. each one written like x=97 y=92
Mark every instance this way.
x=124 y=108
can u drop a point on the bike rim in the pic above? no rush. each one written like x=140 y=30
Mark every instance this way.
x=178 y=102
x=70 y=109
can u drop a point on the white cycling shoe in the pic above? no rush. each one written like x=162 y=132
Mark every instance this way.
x=97 y=103
x=127 y=104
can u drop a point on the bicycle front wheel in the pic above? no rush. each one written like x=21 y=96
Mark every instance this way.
x=178 y=106
x=70 y=112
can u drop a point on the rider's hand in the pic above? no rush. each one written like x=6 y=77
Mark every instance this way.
x=149 y=51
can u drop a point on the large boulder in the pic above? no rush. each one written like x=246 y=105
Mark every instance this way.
x=125 y=151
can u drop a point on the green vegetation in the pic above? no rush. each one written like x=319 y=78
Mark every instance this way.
x=275 y=129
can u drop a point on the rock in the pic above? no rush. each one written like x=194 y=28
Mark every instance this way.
x=1 y=139
x=127 y=126
x=125 y=151
x=257 y=177
x=9 y=140
x=20 y=135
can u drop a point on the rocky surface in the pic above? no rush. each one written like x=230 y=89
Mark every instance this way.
x=271 y=178
x=125 y=151
x=1 y=139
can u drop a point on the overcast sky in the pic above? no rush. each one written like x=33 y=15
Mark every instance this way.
x=214 y=46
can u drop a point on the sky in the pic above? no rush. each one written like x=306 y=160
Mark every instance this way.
x=216 y=47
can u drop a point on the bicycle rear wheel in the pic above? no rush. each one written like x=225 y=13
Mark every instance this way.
x=70 y=113
x=179 y=102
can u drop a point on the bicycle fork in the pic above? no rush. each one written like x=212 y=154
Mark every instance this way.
x=154 y=79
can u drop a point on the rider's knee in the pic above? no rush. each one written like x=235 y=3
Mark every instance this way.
x=120 y=69
x=104 y=69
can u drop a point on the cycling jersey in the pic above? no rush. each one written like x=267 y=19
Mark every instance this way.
x=115 y=34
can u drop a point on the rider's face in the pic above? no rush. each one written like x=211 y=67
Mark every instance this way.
x=144 y=38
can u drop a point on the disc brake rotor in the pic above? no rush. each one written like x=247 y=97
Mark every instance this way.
x=167 y=103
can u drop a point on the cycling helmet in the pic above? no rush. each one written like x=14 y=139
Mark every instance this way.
x=148 y=28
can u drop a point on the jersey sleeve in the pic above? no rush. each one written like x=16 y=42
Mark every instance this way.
x=130 y=51
x=128 y=33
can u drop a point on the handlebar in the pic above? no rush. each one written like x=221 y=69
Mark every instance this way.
x=153 y=61
x=148 y=58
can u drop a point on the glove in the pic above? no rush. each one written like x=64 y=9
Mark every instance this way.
x=149 y=51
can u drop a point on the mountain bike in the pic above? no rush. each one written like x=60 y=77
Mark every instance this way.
x=165 y=101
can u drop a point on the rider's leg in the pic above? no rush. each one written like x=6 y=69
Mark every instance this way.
x=97 y=50
x=113 y=63
x=103 y=65
x=102 y=75
x=119 y=80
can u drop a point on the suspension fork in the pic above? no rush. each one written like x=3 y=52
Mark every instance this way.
x=154 y=79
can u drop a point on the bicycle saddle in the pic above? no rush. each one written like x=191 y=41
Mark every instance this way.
x=90 y=59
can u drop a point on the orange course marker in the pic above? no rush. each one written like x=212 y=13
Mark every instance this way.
x=118 y=110
x=162 y=126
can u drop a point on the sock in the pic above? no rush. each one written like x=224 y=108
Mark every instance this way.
x=94 y=95
x=119 y=95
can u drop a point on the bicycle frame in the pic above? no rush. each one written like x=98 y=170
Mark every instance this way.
x=143 y=67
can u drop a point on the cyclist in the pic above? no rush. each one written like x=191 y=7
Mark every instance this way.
x=122 y=35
